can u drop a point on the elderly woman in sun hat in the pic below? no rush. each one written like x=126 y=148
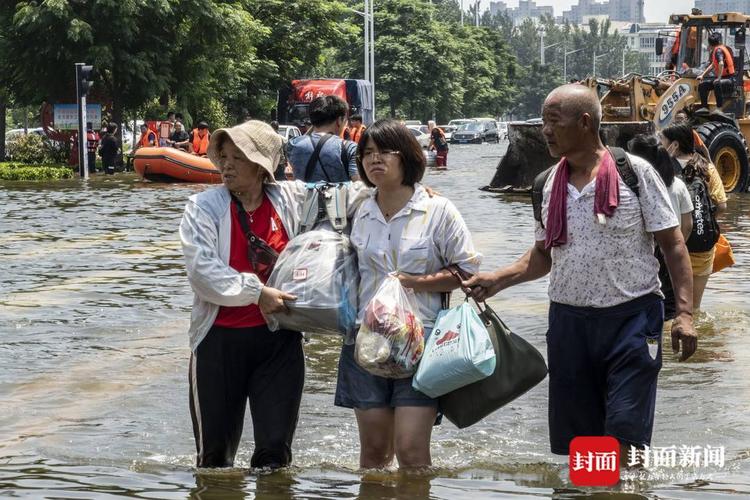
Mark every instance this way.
x=231 y=236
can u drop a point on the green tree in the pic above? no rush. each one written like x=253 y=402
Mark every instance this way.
x=418 y=63
x=140 y=50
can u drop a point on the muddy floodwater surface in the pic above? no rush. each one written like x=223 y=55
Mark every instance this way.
x=94 y=308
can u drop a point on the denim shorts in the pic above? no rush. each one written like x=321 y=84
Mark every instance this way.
x=357 y=388
x=603 y=367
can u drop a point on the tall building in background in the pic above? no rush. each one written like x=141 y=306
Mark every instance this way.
x=615 y=10
x=714 y=6
x=526 y=8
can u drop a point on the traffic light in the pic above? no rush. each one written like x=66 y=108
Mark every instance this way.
x=85 y=78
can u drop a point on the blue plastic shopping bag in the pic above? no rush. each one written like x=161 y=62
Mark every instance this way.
x=459 y=352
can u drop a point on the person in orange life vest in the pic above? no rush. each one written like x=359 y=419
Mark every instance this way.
x=722 y=67
x=92 y=143
x=199 y=138
x=148 y=138
x=356 y=128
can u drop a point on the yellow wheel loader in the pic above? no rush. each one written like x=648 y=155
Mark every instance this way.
x=637 y=104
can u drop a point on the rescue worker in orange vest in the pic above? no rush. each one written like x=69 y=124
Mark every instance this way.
x=148 y=138
x=689 y=49
x=721 y=63
x=356 y=128
x=199 y=138
x=92 y=144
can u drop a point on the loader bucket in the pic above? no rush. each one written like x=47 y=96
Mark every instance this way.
x=527 y=153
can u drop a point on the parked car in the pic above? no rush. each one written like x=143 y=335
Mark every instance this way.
x=476 y=132
x=448 y=130
x=289 y=131
x=15 y=133
x=422 y=138
x=409 y=123
x=460 y=121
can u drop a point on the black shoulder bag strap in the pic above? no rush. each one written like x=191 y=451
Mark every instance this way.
x=345 y=157
x=315 y=157
x=537 y=193
x=258 y=246
x=625 y=169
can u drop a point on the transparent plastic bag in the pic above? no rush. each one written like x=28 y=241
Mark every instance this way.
x=320 y=268
x=459 y=352
x=390 y=341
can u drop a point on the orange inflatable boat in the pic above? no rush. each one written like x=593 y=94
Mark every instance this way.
x=174 y=165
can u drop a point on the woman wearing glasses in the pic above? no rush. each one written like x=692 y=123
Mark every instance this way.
x=231 y=236
x=399 y=228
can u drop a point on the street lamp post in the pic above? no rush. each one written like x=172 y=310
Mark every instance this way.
x=369 y=18
x=565 y=63
x=543 y=47
x=372 y=53
x=595 y=58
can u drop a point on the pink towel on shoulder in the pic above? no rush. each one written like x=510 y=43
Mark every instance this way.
x=606 y=199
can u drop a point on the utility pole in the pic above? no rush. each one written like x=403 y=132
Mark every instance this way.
x=83 y=85
x=372 y=52
x=565 y=62
x=462 y=13
x=595 y=58
x=365 y=18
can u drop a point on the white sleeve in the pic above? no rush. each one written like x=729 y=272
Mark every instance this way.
x=455 y=243
x=211 y=279
x=656 y=207
x=683 y=195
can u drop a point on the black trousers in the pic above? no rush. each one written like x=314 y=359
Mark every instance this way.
x=92 y=162
x=718 y=85
x=233 y=366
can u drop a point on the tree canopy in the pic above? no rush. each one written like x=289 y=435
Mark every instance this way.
x=224 y=60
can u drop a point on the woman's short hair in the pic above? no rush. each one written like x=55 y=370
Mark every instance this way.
x=648 y=147
x=391 y=135
x=683 y=134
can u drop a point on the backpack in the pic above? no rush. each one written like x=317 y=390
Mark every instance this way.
x=622 y=163
x=706 y=231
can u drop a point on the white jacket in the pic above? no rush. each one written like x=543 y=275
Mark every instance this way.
x=205 y=232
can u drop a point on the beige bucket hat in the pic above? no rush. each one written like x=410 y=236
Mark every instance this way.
x=256 y=139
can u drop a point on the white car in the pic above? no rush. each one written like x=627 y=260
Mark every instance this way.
x=289 y=131
x=422 y=138
x=460 y=121
x=409 y=123
x=448 y=131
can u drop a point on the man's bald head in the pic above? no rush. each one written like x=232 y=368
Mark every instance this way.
x=571 y=118
x=575 y=100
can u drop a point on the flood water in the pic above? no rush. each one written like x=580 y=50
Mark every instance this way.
x=94 y=308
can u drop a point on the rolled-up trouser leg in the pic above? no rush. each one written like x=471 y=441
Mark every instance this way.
x=275 y=394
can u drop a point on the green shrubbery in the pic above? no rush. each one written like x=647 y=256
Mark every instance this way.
x=15 y=171
x=35 y=149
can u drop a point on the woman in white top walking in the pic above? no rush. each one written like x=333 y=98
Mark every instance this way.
x=399 y=229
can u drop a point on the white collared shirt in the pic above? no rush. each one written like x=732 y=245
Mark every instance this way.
x=425 y=236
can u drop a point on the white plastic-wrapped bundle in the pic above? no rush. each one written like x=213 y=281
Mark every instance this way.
x=390 y=340
x=320 y=268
